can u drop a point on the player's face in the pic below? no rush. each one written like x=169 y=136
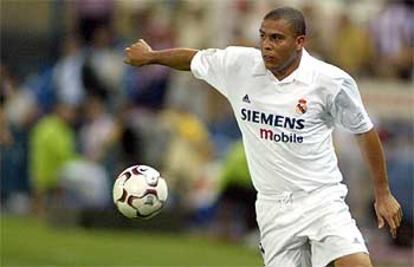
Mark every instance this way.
x=280 y=46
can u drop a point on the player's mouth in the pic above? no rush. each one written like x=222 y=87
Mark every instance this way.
x=268 y=59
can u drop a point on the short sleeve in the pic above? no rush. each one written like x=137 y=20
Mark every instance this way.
x=210 y=65
x=348 y=110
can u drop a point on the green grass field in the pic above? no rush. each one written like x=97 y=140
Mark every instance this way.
x=28 y=242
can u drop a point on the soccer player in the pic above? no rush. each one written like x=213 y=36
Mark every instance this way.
x=287 y=104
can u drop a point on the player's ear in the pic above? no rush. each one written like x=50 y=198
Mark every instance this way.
x=300 y=42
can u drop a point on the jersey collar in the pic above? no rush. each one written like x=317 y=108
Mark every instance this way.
x=303 y=73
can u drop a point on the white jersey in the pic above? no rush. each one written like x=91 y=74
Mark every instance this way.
x=286 y=125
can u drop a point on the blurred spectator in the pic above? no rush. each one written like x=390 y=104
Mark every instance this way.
x=246 y=24
x=223 y=126
x=19 y=101
x=317 y=31
x=85 y=187
x=106 y=63
x=102 y=70
x=90 y=15
x=393 y=32
x=52 y=144
x=17 y=113
x=188 y=151
x=191 y=18
x=355 y=175
x=352 y=47
x=6 y=141
x=5 y=134
x=143 y=138
x=400 y=147
x=99 y=131
x=82 y=194
x=147 y=87
x=236 y=211
x=67 y=73
x=131 y=147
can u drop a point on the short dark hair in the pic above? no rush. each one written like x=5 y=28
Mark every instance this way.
x=293 y=16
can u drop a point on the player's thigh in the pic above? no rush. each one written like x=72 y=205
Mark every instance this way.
x=337 y=235
x=339 y=248
x=280 y=245
x=291 y=257
x=353 y=260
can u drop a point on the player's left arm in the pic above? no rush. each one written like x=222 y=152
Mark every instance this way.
x=386 y=206
x=348 y=111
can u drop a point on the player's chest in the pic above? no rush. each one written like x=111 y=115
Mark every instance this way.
x=294 y=100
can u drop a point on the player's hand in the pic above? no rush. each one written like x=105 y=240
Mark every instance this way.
x=388 y=210
x=138 y=54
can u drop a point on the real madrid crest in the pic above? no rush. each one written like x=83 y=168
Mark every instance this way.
x=301 y=107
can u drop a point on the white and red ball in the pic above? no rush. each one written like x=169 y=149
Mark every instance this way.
x=140 y=192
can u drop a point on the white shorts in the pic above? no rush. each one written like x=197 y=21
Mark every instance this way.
x=307 y=229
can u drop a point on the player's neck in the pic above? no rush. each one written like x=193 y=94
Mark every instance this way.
x=289 y=68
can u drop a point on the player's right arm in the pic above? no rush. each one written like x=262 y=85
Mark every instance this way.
x=141 y=54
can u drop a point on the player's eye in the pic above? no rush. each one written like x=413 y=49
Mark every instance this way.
x=276 y=37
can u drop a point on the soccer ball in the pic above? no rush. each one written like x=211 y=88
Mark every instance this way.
x=140 y=192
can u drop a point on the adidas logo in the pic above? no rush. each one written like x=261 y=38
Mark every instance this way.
x=246 y=99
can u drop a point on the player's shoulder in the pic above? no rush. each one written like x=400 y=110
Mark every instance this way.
x=236 y=58
x=243 y=50
x=242 y=54
x=329 y=74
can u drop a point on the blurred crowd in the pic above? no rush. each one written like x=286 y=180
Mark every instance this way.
x=70 y=126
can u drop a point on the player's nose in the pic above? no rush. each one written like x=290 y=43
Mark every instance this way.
x=266 y=45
